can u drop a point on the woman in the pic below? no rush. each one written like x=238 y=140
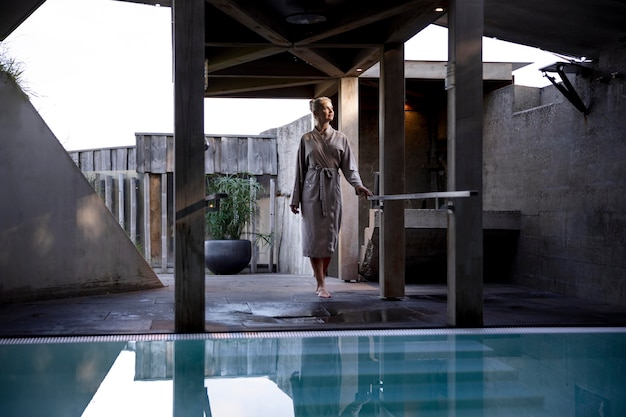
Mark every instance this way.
x=317 y=189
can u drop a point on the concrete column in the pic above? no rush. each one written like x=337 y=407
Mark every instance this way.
x=188 y=17
x=348 y=123
x=391 y=150
x=465 y=162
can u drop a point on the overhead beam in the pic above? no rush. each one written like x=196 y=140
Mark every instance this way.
x=221 y=86
x=404 y=27
x=326 y=89
x=313 y=58
x=231 y=57
x=357 y=17
x=253 y=18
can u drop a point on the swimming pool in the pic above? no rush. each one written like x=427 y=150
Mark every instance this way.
x=431 y=372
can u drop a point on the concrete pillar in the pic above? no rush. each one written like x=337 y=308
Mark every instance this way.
x=188 y=17
x=348 y=123
x=391 y=150
x=465 y=162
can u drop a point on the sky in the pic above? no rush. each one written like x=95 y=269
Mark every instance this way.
x=99 y=71
x=121 y=395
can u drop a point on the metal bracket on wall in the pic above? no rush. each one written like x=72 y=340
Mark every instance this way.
x=565 y=86
x=211 y=203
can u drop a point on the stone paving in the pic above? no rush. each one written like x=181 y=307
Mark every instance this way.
x=280 y=302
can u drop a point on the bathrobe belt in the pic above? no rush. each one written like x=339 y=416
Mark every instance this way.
x=326 y=176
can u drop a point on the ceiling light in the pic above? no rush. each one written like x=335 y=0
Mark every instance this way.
x=439 y=9
x=306 y=18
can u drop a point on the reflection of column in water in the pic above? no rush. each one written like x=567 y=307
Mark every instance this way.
x=190 y=397
x=316 y=388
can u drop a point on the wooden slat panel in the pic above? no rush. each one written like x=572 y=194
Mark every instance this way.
x=266 y=155
x=242 y=155
x=147 y=218
x=256 y=156
x=273 y=157
x=121 y=200
x=108 y=192
x=158 y=154
x=113 y=158
x=169 y=158
x=140 y=154
x=229 y=155
x=154 y=191
x=86 y=161
x=132 y=159
x=105 y=160
x=217 y=158
x=155 y=154
x=97 y=160
x=134 y=186
x=209 y=155
x=121 y=159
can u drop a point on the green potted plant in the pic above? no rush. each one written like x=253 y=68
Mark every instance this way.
x=225 y=253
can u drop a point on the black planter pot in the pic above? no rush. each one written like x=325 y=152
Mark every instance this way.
x=227 y=257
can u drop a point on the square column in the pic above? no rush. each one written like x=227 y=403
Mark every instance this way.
x=188 y=17
x=348 y=106
x=391 y=150
x=465 y=162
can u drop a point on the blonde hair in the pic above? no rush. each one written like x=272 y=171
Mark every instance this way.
x=316 y=103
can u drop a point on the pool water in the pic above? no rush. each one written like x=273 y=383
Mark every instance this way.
x=435 y=372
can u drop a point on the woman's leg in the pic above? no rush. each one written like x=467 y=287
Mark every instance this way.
x=320 y=265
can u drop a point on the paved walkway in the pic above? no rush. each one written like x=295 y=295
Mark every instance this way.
x=278 y=302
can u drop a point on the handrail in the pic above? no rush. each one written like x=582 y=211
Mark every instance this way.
x=420 y=196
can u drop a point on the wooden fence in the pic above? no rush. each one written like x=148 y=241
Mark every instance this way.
x=136 y=184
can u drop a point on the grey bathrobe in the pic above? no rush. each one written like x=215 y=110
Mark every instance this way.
x=317 y=188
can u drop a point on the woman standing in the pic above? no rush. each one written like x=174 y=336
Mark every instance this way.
x=317 y=189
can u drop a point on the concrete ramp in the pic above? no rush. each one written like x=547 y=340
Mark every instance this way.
x=57 y=238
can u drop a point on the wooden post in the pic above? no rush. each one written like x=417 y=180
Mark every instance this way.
x=188 y=17
x=134 y=186
x=465 y=162
x=391 y=150
x=252 y=230
x=108 y=192
x=270 y=262
x=147 y=229
x=164 y=237
x=121 y=204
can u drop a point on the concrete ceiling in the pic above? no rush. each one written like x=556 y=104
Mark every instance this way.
x=253 y=50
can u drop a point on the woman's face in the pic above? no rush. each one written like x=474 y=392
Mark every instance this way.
x=326 y=114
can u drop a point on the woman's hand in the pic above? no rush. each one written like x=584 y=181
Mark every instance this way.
x=360 y=190
x=294 y=209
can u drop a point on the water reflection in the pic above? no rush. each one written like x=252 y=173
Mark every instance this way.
x=365 y=374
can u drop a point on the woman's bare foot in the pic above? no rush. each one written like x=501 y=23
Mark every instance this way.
x=323 y=293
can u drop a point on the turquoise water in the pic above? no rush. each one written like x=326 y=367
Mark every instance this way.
x=486 y=372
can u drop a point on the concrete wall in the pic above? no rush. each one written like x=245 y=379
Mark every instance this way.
x=566 y=173
x=57 y=238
